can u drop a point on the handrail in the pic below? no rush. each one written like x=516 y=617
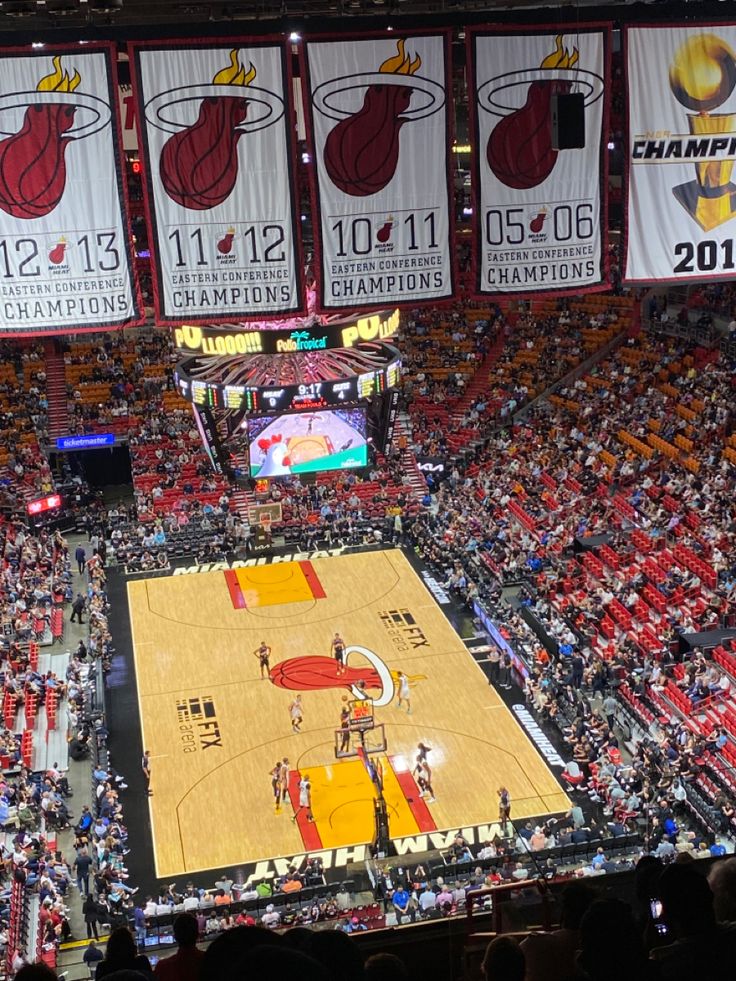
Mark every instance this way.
x=482 y=894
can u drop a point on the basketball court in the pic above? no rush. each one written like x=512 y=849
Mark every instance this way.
x=215 y=728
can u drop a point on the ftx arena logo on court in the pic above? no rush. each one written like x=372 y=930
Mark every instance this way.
x=403 y=630
x=198 y=725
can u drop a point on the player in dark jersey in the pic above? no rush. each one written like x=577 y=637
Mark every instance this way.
x=421 y=762
x=263 y=653
x=424 y=780
x=338 y=652
x=504 y=805
x=276 y=786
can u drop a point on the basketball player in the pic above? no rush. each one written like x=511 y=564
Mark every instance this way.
x=146 y=768
x=404 y=692
x=275 y=775
x=295 y=712
x=422 y=753
x=338 y=652
x=284 y=777
x=305 y=798
x=344 y=729
x=421 y=762
x=263 y=653
x=504 y=805
x=424 y=780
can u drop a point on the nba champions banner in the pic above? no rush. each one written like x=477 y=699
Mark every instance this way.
x=378 y=120
x=215 y=129
x=65 y=249
x=682 y=145
x=539 y=217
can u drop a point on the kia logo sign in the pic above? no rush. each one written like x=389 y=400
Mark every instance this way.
x=431 y=466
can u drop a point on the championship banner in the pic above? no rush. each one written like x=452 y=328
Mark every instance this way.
x=539 y=214
x=378 y=129
x=66 y=261
x=215 y=132
x=681 y=200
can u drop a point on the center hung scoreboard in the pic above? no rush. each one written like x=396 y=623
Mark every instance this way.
x=302 y=396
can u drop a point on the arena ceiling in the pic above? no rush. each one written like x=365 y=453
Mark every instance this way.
x=23 y=21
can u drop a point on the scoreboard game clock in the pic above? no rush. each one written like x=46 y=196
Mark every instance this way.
x=246 y=395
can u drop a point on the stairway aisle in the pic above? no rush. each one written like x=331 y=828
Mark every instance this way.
x=417 y=483
x=243 y=500
x=479 y=381
x=56 y=390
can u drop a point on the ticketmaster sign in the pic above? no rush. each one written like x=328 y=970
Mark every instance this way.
x=88 y=441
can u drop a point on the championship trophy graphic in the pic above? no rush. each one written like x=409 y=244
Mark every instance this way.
x=702 y=77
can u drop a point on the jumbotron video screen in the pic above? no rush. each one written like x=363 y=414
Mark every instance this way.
x=307 y=442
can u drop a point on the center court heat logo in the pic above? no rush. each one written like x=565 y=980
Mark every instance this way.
x=198 y=165
x=33 y=153
x=519 y=149
x=361 y=153
x=314 y=673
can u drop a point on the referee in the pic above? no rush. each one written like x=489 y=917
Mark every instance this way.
x=146 y=767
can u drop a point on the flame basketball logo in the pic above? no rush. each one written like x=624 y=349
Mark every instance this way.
x=199 y=164
x=57 y=253
x=32 y=161
x=361 y=153
x=225 y=244
x=312 y=672
x=519 y=149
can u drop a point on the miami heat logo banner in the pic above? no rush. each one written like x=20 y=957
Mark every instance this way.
x=539 y=221
x=65 y=250
x=378 y=119
x=681 y=200
x=215 y=127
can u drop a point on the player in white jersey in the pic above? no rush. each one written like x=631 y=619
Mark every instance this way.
x=305 y=798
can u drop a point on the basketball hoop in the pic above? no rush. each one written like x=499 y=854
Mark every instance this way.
x=265 y=522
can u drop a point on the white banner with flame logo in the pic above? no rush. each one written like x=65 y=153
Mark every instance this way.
x=66 y=259
x=378 y=129
x=681 y=202
x=214 y=130
x=539 y=223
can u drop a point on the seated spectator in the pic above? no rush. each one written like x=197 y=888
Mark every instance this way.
x=504 y=960
x=185 y=964
x=385 y=967
x=722 y=881
x=699 y=947
x=552 y=956
x=121 y=955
